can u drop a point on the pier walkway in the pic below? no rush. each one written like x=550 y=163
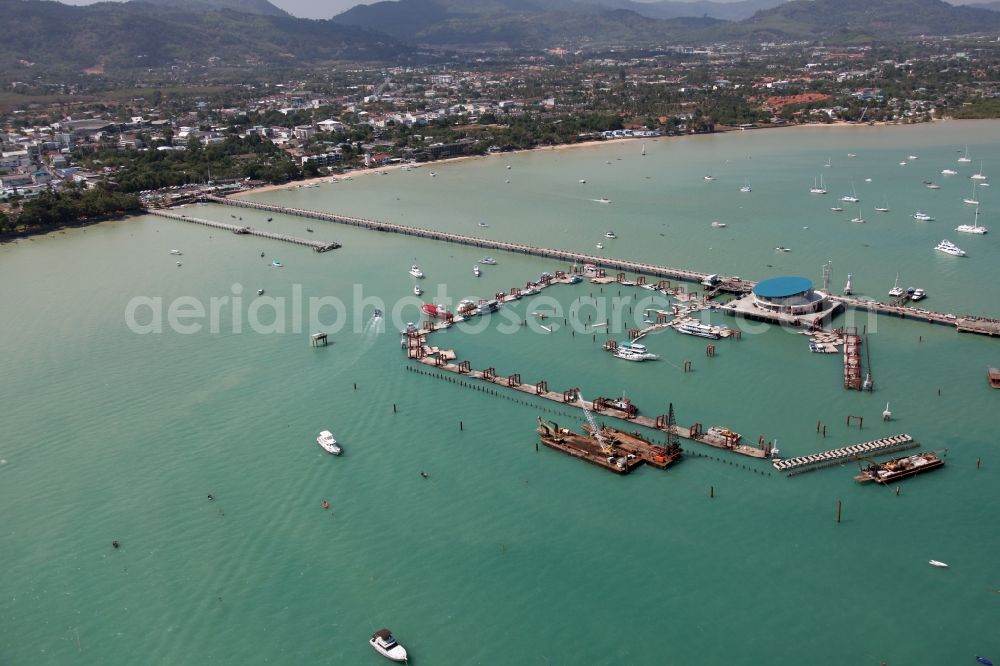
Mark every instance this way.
x=815 y=461
x=520 y=248
x=965 y=324
x=318 y=246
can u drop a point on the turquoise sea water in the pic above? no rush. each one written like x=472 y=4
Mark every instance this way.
x=504 y=555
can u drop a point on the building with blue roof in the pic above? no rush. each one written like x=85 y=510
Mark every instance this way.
x=790 y=295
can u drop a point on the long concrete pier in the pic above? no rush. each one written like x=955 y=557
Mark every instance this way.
x=965 y=323
x=432 y=234
x=318 y=246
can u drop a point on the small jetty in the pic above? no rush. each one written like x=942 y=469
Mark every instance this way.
x=240 y=230
x=852 y=360
x=802 y=464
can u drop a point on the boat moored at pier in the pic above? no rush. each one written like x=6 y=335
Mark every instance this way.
x=899 y=468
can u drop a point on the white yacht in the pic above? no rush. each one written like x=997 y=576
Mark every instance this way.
x=417 y=290
x=817 y=189
x=628 y=355
x=416 y=272
x=948 y=172
x=178 y=252
x=709 y=176
x=896 y=290
x=973 y=228
x=488 y=261
x=386 y=645
x=965 y=158
x=978 y=176
x=858 y=219
x=922 y=216
x=948 y=247
x=884 y=208
x=476 y=270
x=328 y=443
x=852 y=197
x=610 y=234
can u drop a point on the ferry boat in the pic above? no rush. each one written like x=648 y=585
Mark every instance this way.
x=488 y=261
x=922 y=216
x=948 y=247
x=899 y=468
x=973 y=228
x=436 y=311
x=698 y=329
x=328 y=443
x=416 y=272
x=384 y=643
x=476 y=270
x=610 y=234
x=486 y=307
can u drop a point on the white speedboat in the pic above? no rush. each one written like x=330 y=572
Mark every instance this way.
x=948 y=172
x=937 y=563
x=488 y=261
x=837 y=209
x=178 y=252
x=746 y=186
x=917 y=294
x=922 y=216
x=386 y=645
x=275 y=263
x=417 y=290
x=483 y=224
x=782 y=248
x=973 y=228
x=600 y=246
x=610 y=234
x=416 y=272
x=603 y=200
x=718 y=225
x=476 y=270
x=948 y=247
x=328 y=443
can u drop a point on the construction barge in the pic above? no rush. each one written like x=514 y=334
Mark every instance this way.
x=614 y=450
x=899 y=468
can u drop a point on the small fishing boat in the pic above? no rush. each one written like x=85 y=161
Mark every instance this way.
x=386 y=645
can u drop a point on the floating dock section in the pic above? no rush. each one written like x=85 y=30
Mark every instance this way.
x=239 y=230
x=803 y=464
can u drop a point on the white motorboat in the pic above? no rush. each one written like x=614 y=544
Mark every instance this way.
x=709 y=176
x=416 y=272
x=600 y=246
x=260 y=292
x=718 y=225
x=948 y=247
x=629 y=355
x=912 y=157
x=328 y=443
x=932 y=186
x=978 y=176
x=603 y=200
x=476 y=270
x=817 y=189
x=896 y=290
x=837 y=209
x=973 y=228
x=746 y=186
x=922 y=216
x=917 y=294
x=948 y=172
x=178 y=252
x=384 y=643
x=488 y=261
x=483 y=224
x=417 y=290
x=276 y=264
x=610 y=234
x=782 y=248
x=937 y=563
x=582 y=180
